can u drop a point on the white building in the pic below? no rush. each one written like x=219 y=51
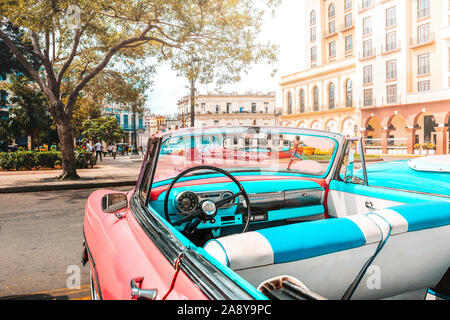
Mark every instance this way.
x=231 y=109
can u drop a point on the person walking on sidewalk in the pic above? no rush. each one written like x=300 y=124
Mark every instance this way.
x=113 y=150
x=98 y=150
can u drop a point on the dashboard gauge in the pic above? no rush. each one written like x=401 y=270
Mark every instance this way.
x=225 y=195
x=186 y=201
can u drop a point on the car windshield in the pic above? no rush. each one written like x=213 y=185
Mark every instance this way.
x=247 y=150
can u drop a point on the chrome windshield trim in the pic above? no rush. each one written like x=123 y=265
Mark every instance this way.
x=239 y=129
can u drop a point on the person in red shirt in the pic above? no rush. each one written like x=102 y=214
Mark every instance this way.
x=297 y=152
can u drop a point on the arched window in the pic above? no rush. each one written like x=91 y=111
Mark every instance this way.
x=331 y=11
x=289 y=110
x=331 y=96
x=316 y=99
x=302 y=101
x=348 y=94
x=312 y=17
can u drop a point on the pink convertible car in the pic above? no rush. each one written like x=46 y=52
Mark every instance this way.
x=270 y=226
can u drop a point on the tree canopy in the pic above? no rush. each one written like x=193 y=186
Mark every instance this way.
x=76 y=39
x=103 y=129
x=8 y=61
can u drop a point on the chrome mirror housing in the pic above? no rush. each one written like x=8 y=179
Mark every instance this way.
x=114 y=202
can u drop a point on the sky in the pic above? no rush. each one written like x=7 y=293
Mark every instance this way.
x=285 y=29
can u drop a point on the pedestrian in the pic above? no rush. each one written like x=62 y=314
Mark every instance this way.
x=297 y=152
x=98 y=150
x=88 y=147
x=113 y=150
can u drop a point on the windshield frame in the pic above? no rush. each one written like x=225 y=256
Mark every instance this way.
x=203 y=131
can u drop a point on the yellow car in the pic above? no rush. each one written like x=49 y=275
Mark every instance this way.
x=43 y=148
x=323 y=151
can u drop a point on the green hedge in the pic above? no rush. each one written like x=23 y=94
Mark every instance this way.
x=27 y=160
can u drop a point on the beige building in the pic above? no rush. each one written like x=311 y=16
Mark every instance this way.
x=230 y=109
x=154 y=123
x=381 y=66
x=322 y=96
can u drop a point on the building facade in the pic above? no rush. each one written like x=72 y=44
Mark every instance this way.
x=322 y=96
x=154 y=123
x=377 y=69
x=230 y=109
x=125 y=119
x=404 y=83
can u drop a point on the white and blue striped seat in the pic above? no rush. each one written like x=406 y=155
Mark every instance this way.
x=416 y=235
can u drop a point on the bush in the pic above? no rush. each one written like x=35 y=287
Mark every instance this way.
x=6 y=160
x=48 y=159
x=27 y=160
x=84 y=159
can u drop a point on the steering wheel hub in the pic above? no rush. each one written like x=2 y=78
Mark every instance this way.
x=209 y=209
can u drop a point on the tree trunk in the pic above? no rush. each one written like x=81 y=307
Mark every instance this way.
x=64 y=127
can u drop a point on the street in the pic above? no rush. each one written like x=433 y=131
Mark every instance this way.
x=41 y=236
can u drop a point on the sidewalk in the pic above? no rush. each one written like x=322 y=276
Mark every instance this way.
x=110 y=172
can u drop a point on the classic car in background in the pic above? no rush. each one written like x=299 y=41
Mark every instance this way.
x=198 y=226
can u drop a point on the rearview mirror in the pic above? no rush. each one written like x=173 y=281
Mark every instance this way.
x=114 y=202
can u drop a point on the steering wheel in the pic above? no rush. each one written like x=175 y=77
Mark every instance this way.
x=206 y=210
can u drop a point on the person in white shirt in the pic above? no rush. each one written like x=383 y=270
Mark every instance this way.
x=114 y=150
x=98 y=150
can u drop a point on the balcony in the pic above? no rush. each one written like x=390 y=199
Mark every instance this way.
x=391 y=75
x=390 y=47
x=391 y=99
x=347 y=26
x=365 y=5
x=422 y=40
x=367 y=54
x=368 y=102
x=329 y=33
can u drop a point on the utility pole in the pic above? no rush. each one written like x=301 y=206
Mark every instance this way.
x=192 y=78
x=134 y=137
x=192 y=102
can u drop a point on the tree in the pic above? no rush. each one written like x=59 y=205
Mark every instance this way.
x=5 y=132
x=29 y=110
x=8 y=61
x=76 y=39
x=110 y=88
x=103 y=129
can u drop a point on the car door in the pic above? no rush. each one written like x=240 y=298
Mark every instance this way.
x=350 y=191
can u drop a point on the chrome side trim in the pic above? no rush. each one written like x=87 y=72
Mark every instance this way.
x=90 y=258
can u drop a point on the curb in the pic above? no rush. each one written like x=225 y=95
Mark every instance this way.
x=74 y=186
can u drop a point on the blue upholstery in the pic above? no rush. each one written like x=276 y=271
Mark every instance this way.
x=425 y=215
x=305 y=240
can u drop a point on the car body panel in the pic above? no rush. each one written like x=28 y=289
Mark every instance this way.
x=135 y=249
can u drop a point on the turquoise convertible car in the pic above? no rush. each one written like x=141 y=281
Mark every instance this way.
x=209 y=221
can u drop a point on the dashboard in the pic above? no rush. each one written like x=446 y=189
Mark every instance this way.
x=270 y=200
